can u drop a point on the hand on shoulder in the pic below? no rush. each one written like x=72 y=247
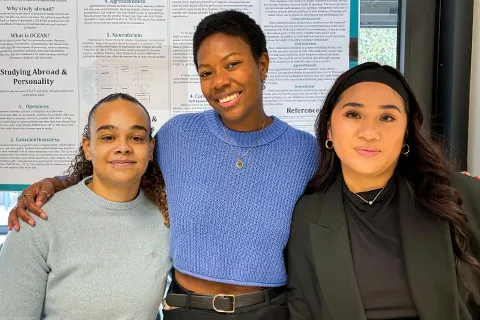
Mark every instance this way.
x=468 y=174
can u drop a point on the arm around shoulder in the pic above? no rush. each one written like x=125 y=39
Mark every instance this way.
x=469 y=189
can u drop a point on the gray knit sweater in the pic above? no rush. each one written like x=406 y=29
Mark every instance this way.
x=92 y=259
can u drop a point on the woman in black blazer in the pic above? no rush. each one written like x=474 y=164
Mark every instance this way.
x=384 y=230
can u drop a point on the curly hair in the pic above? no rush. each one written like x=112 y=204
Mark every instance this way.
x=152 y=181
x=232 y=23
x=426 y=170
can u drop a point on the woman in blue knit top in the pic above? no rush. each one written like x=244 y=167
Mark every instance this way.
x=233 y=175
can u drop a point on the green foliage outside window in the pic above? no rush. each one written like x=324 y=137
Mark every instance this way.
x=378 y=45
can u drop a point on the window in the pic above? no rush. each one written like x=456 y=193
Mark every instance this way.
x=378 y=31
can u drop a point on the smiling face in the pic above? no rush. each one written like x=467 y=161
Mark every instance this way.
x=119 y=146
x=230 y=78
x=368 y=129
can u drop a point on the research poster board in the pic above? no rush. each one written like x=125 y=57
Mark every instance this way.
x=59 y=57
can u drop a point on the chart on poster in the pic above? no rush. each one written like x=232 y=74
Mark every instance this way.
x=57 y=58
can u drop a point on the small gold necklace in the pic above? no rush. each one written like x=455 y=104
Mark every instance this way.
x=239 y=162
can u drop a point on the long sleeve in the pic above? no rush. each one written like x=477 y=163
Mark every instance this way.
x=297 y=264
x=297 y=304
x=23 y=274
x=469 y=189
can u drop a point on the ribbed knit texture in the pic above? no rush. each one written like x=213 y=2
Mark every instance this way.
x=231 y=225
x=92 y=259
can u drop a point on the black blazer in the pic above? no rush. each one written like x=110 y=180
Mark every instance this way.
x=322 y=282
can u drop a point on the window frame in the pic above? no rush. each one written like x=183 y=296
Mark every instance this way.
x=453 y=74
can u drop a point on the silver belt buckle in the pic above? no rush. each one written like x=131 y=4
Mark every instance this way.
x=224 y=296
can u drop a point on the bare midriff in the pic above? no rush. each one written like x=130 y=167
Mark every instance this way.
x=202 y=286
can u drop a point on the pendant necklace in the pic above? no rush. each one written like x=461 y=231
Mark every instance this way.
x=372 y=201
x=239 y=164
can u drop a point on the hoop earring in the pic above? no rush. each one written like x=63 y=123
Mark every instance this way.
x=329 y=144
x=263 y=82
x=407 y=151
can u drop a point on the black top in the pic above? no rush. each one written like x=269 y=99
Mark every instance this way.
x=321 y=275
x=377 y=253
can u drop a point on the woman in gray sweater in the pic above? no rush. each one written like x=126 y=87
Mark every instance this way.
x=104 y=251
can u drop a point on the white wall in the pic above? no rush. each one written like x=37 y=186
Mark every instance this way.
x=474 y=117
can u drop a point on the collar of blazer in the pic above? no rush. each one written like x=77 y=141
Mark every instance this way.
x=428 y=253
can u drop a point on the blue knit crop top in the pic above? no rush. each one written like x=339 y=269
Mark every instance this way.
x=231 y=225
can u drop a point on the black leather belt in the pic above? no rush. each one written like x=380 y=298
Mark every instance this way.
x=224 y=303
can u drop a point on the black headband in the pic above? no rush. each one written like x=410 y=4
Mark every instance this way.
x=376 y=75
